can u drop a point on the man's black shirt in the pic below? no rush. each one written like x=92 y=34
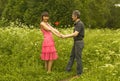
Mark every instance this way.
x=79 y=26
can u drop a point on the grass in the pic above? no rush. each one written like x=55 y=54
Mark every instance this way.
x=20 y=50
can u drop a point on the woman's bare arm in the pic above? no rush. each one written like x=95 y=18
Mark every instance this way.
x=55 y=31
x=45 y=26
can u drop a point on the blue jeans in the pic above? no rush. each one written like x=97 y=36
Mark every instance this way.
x=76 y=53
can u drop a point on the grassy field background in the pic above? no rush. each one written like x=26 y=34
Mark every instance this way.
x=20 y=50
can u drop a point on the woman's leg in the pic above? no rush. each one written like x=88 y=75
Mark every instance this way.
x=50 y=66
x=46 y=65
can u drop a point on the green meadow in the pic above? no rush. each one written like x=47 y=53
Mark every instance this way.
x=20 y=50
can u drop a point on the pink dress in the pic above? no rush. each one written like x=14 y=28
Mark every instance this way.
x=48 y=46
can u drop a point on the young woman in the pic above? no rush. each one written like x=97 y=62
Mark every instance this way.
x=49 y=53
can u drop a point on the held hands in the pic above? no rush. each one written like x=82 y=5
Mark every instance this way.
x=59 y=34
x=62 y=36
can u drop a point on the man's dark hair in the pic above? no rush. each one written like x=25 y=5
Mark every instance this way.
x=76 y=13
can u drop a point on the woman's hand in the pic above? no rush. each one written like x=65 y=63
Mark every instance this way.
x=63 y=36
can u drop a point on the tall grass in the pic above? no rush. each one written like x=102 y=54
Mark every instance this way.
x=20 y=50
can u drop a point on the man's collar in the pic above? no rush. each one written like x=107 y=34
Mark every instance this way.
x=76 y=21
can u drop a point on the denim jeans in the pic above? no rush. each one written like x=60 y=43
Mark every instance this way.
x=76 y=53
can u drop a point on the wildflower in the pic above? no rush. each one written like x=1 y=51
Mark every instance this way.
x=56 y=23
x=107 y=58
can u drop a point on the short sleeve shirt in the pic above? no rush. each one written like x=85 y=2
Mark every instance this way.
x=79 y=26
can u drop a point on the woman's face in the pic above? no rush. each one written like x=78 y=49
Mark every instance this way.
x=45 y=18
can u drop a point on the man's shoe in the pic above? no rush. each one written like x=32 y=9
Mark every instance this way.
x=76 y=76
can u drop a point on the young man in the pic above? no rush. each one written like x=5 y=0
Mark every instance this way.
x=77 y=48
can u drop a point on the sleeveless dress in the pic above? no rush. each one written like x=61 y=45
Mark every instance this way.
x=48 y=47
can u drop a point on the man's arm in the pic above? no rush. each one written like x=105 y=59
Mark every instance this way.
x=71 y=35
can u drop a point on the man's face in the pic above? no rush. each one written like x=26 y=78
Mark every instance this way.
x=74 y=17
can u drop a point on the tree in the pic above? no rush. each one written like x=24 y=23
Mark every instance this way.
x=114 y=19
x=94 y=13
x=2 y=5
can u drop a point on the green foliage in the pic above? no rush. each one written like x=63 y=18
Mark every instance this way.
x=94 y=13
x=20 y=50
x=4 y=22
x=2 y=6
x=29 y=12
x=114 y=19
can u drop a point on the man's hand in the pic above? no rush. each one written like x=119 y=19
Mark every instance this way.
x=70 y=35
